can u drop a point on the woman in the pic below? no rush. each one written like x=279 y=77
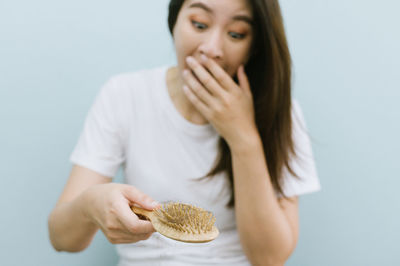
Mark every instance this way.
x=219 y=130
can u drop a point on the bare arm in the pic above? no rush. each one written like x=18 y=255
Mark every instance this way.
x=70 y=228
x=268 y=227
x=90 y=202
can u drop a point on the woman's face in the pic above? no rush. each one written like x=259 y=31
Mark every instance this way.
x=220 y=29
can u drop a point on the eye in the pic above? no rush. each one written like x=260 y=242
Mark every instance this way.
x=198 y=25
x=236 y=35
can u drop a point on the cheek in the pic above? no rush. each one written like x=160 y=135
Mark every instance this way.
x=185 y=44
x=237 y=57
x=246 y=51
x=182 y=50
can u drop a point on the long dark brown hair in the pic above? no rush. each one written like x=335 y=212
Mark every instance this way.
x=269 y=73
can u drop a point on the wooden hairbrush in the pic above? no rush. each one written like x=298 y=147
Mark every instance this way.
x=182 y=222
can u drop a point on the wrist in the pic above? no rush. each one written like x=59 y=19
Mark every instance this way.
x=85 y=205
x=246 y=143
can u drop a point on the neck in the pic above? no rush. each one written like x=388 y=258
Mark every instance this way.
x=180 y=100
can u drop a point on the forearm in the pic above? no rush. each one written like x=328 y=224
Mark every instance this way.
x=70 y=229
x=264 y=230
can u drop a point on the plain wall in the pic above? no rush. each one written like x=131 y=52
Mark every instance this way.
x=54 y=57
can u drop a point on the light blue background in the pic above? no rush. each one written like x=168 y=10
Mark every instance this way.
x=54 y=56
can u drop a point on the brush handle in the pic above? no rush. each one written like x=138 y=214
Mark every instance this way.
x=143 y=212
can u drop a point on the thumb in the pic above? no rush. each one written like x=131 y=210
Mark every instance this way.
x=138 y=197
x=243 y=80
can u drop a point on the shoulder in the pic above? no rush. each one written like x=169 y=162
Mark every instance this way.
x=297 y=112
x=143 y=76
x=302 y=162
x=127 y=86
x=298 y=120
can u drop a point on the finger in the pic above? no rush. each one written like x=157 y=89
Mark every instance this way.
x=133 y=237
x=197 y=102
x=142 y=227
x=136 y=196
x=121 y=241
x=205 y=77
x=132 y=223
x=198 y=88
x=145 y=236
x=243 y=79
x=219 y=74
x=128 y=238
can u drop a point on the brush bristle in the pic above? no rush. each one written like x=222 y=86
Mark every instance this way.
x=186 y=218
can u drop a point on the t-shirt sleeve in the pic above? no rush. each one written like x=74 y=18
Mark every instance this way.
x=100 y=145
x=303 y=163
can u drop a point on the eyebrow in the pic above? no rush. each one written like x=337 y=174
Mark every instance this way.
x=244 y=18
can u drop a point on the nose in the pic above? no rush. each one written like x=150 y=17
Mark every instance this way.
x=212 y=46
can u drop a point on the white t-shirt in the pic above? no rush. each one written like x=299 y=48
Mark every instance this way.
x=134 y=123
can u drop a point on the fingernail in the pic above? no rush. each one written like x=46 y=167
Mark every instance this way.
x=154 y=204
x=190 y=60
x=204 y=58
